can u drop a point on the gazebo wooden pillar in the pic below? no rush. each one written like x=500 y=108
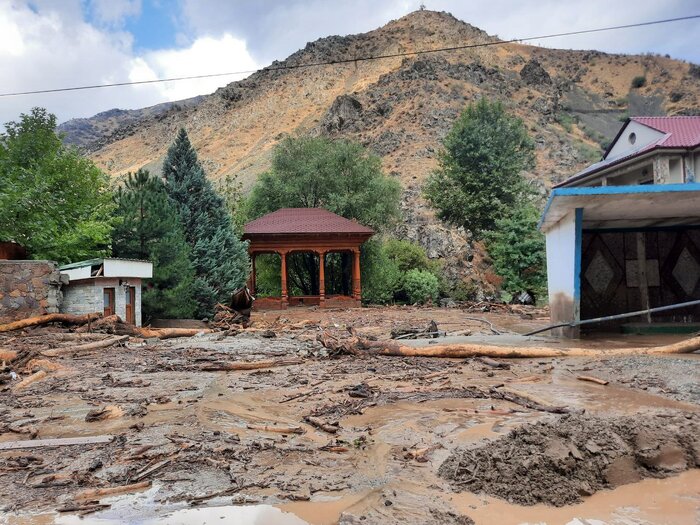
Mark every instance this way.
x=315 y=230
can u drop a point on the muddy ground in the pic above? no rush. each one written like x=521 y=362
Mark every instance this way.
x=350 y=439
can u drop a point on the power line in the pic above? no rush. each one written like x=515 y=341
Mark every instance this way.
x=356 y=59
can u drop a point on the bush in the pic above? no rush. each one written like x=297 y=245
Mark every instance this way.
x=638 y=82
x=381 y=277
x=566 y=121
x=421 y=286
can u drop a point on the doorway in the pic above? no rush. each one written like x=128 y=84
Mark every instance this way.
x=130 y=301
x=108 y=301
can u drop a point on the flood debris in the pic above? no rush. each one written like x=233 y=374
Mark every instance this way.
x=559 y=462
x=310 y=414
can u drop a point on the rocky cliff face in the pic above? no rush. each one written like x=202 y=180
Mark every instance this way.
x=571 y=101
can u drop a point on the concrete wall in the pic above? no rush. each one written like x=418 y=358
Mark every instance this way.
x=563 y=271
x=87 y=296
x=28 y=288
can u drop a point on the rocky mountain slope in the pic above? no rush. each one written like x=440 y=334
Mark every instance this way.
x=573 y=102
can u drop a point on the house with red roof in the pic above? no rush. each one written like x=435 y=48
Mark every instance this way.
x=623 y=235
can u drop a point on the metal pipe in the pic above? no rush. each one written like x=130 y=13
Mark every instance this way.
x=617 y=316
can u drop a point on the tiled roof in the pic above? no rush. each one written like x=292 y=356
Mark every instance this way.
x=682 y=132
x=304 y=220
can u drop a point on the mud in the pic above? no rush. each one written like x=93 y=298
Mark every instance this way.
x=208 y=439
x=559 y=462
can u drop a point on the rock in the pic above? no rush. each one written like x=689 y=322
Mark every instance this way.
x=533 y=73
x=342 y=113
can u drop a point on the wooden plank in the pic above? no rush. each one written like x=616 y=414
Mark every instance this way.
x=57 y=442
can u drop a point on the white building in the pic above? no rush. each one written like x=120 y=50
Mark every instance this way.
x=640 y=203
x=112 y=286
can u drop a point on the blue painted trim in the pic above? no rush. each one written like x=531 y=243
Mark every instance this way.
x=578 y=250
x=615 y=190
x=624 y=190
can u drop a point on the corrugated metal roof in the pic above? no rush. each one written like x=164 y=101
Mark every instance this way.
x=304 y=220
x=682 y=131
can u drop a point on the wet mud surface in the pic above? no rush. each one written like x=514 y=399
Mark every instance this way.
x=250 y=439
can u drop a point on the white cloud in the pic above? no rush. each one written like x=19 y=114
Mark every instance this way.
x=205 y=56
x=51 y=48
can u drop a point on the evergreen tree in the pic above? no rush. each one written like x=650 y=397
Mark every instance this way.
x=220 y=258
x=148 y=227
x=480 y=174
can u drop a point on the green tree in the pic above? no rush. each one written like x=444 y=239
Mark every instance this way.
x=479 y=178
x=421 y=286
x=340 y=176
x=220 y=257
x=517 y=249
x=148 y=227
x=53 y=201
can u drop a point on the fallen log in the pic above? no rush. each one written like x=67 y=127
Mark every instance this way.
x=592 y=379
x=111 y=491
x=526 y=400
x=49 y=318
x=36 y=376
x=84 y=348
x=321 y=424
x=462 y=350
x=168 y=333
x=56 y=442
x=250 y=365
x=276 y=429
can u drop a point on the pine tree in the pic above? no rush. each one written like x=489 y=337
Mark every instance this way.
x=149 y=228
x=220 y=258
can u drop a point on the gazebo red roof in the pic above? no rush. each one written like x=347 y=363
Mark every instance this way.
x=295 y=221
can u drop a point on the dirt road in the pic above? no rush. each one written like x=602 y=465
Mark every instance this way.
x=342 y=439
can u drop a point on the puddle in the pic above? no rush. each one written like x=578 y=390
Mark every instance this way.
x=243 y=515
x=145 y=509
x=671 y=501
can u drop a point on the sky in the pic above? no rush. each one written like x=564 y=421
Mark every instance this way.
x=47 y=44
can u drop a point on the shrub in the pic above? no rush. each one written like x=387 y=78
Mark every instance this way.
x=421 y=286
x=638 y=82
x=566 y=121
x=381 y=277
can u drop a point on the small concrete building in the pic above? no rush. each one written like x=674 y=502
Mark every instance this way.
x=112 y=286
x=623 y=235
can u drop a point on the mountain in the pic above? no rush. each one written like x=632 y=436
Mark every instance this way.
x=572 y=102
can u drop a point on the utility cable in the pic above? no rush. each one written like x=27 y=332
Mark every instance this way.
x=356 y=59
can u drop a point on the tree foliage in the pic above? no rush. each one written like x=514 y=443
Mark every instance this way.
x=148 y=227
x=340 y=176
x=479 y=177
x=517 y=249
x=53 y=201
x=219 y=256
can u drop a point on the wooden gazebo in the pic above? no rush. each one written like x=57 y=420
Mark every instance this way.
x=315 y=230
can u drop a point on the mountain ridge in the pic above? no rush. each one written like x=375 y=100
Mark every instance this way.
x=571 y=101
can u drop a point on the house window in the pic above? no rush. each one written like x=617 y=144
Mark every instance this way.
x=632 y=138
x=108 y=301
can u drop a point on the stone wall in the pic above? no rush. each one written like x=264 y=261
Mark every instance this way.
x=28 y=288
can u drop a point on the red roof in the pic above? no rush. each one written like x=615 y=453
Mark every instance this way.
x=304 y=220
x=682 y=132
